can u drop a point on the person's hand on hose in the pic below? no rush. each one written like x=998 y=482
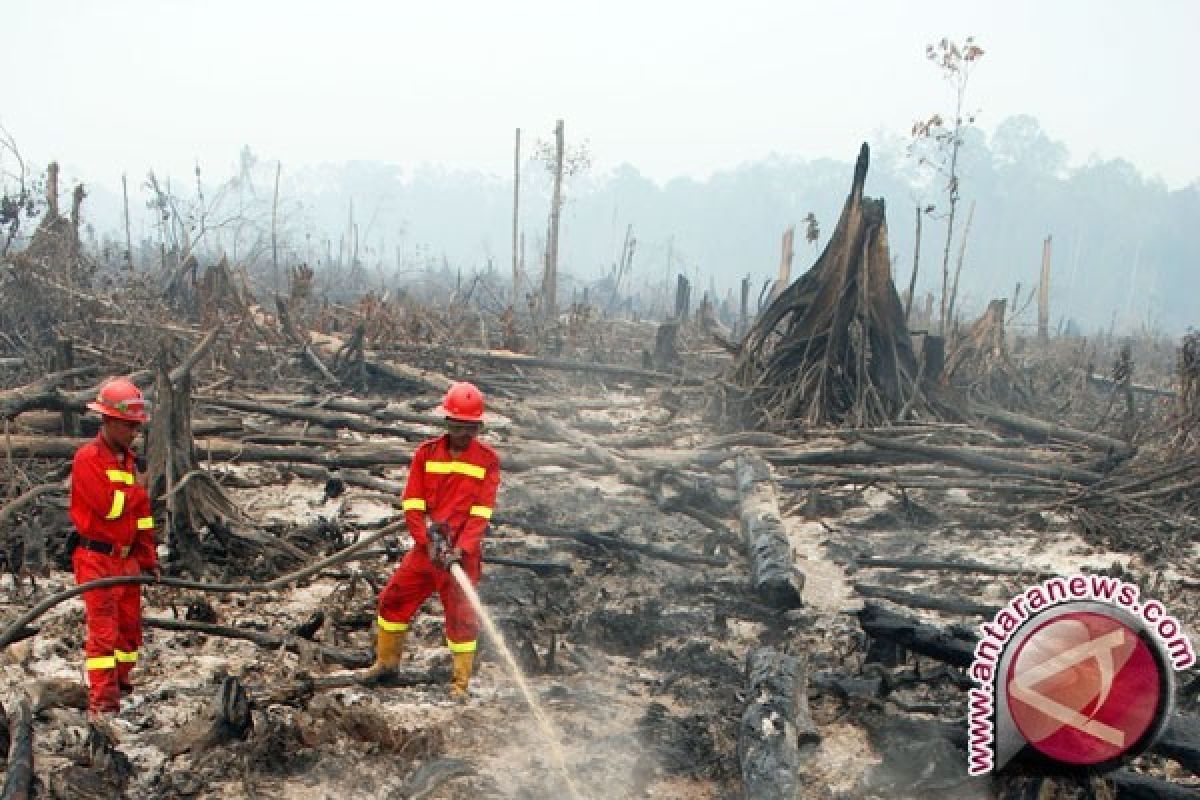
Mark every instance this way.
x=453 y=555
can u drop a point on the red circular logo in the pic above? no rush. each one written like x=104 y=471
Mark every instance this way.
x=1083 y=688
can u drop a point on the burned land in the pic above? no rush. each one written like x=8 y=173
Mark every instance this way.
x=735 y=555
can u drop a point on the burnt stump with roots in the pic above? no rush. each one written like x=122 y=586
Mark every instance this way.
x=833 y=348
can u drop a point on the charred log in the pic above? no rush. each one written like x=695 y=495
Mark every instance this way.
x=773 y=572
x=776 y=724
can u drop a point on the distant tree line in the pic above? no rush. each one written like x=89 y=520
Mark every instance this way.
x=1125 y=246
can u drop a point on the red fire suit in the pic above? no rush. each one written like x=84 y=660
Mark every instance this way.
x=460 y=490
x=112 y=516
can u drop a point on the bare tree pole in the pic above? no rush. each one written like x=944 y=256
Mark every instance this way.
x=550 y=278
x=667 y=277
x=52 y=189
x=516 y=295
x=274 y=236
x=1044 y=293
x=742 y=313
x=786 y=254
x=912 y=281
x=962 y=252
x=128 y=238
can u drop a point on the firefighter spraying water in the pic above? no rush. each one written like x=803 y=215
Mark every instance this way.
x=448 y=500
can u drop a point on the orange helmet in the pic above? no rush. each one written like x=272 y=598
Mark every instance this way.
x=119 y=398
x=463 y=402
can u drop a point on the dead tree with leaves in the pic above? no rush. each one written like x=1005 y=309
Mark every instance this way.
x=955 y=62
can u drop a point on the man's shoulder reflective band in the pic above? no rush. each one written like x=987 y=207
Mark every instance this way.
x=413 y=504
x=145 y=523
x=120 y=476
x=481 y=511
x=391 y=627
x=460 y=467
x=125 y=656
x=118 y=505
x=461 y=647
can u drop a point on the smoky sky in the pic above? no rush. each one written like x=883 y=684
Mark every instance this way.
x=673 y=88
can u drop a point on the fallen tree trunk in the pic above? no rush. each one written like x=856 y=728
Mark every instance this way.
x=317 y=416
x=353 y=659
x=914 y=635
x=985 y=463
x=826 y=476
x=44 y=393
x=775 y=725
x=936 y=565
x=950 y=605
x=559 y=364
x=1038 y=428
x=857 y=454
x=773 y=573
x=300 y=690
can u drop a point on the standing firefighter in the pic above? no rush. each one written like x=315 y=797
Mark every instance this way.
x=114 y=536
x=447 y=504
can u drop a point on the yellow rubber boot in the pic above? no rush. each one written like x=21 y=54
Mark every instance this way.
x=462 y=675
x=389 y=646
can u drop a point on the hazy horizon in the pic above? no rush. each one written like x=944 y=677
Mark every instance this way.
x=677 y=90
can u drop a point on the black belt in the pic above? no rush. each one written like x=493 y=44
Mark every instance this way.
x=104 y=548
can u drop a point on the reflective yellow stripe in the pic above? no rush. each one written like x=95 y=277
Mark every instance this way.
x=413 y=504
x=101 y=662
x=391 y=627
x=125 y=657
x=481 y=511
x=461 y=467
x=461 y=647
x=118 y=505
x=145 y=523
x=120 y=476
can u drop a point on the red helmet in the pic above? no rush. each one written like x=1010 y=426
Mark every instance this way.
x=119 y=398
x=463 y=402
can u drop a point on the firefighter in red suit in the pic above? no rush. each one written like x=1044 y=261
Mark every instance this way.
x=452 y=484
x=115 y=536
